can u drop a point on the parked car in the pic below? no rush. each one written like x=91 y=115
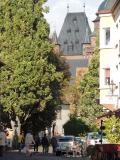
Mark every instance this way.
x=93 y=138
x=79 y=140
x=68 y=145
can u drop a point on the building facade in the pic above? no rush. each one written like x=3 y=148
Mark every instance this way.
x=74 y=33
x=109 y=13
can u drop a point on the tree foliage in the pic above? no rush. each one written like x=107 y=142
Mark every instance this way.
x=71 y=96
x=32 y=77
x=76 y=127
x=112 y=129
x=89 y=92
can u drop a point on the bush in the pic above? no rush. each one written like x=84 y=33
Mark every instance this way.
x=76 y=127
x=112 y=129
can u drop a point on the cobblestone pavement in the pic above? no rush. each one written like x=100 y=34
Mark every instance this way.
x=36 y=156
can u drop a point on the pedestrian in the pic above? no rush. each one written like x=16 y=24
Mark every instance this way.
x=54 y=144
x=45 y=144
x=37 y=142
x=2 y=140
x=20 y=141
x=29 y=141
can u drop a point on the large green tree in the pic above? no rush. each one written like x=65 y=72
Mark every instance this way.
x=31 y=78
x=89 y=109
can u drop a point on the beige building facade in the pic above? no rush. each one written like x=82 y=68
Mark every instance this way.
x=109 y=13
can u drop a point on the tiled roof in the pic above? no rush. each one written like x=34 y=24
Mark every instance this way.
x=74 y=32
x=107 y=5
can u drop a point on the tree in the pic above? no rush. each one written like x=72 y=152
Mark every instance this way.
x=112 y=129
x=30 y=79
x=76 y=127
x=71 y=96
x=88 y=107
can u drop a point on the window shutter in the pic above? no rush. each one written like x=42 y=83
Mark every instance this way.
x=107 y=72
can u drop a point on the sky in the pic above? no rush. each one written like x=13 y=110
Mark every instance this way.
x=58 y=11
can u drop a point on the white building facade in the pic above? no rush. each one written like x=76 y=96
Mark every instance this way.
x=109 y=13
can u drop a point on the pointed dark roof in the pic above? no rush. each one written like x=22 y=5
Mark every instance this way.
x=75 y=31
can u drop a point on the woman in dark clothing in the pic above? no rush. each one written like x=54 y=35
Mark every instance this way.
x=45 y=144
x=54 y=144
x=37 y=143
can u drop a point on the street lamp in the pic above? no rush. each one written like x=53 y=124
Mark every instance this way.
x=112 y=86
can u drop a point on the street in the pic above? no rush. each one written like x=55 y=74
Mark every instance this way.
x=36 y=156
x=15 y=155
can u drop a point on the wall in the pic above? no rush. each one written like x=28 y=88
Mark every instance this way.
x=109 y=59
x=62 y=119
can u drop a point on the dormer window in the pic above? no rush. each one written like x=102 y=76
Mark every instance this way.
x=77 y=41
x=69 y=30
x=70 y=47
x=77 y=30
x=65 y=42
x=74 y=20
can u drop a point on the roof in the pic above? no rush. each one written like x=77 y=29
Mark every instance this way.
x=103 y=5
x=74 y=32
x=97 y=19
x=110 y=107
x=110 y=113
x=107 y=6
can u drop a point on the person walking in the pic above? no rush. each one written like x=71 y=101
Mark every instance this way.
x=29 y=140
x=2 y=141
x=54 y=144
x=37 y=142
x=45 y=144
x=20 y=141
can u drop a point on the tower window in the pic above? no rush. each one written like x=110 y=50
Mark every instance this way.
x=77 y=30
x=77 y=42
x=74 y=20
x=65 y=42
x=69 y=30
x=70 y=47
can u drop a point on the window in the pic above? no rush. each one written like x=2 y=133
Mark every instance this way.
x=69 y=30
x=74 y=20
x=107 y=76
x=70 y=47
x=119 y=46
x=77 y=30
x=107 y=36
x=77 y=41
x=117 y=25
x=65 y=42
